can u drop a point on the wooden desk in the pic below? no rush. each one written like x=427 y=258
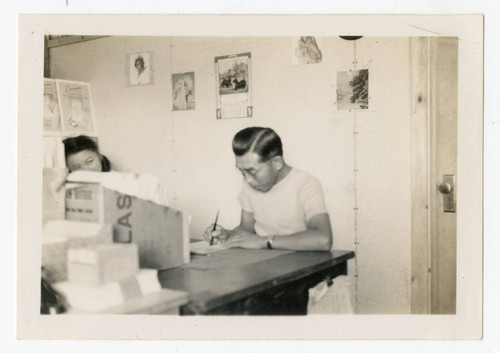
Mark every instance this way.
x=275 y=286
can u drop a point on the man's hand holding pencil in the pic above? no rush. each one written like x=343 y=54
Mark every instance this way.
x=215 y=235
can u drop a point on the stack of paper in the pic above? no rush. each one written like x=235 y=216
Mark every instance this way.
x=204 y=248
x=96 y=298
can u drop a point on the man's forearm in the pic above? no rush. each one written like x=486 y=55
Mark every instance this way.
x=239 y=229
x=309 y=239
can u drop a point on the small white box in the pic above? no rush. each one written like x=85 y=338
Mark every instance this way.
x=102 y=263
x=60 y=235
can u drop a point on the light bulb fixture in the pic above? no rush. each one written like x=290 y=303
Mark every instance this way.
x=351 y=37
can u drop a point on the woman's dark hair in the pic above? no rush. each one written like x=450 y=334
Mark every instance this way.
x=263 y=141
x=80 y=143
x=106 y=164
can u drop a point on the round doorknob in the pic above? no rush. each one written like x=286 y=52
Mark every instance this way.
x=445 y=188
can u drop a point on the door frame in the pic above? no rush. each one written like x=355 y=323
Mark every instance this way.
x=433 y=256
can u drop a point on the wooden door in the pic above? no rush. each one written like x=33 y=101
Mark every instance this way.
x=434 y=89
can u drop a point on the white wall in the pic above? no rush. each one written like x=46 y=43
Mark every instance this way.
x=190 y=150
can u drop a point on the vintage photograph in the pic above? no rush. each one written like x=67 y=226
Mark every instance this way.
x=352 y=90
x=304 y=212
x=183 y=91
x=139 y=69
x=277 y=233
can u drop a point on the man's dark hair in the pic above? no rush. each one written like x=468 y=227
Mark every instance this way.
x=263 y=141
x=80 y=143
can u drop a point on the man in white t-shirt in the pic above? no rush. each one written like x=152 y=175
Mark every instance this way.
x=282 y=207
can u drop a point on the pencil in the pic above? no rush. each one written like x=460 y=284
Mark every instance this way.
x=215 y=227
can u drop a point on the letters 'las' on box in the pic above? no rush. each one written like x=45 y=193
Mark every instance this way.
x=162 y=233
x=102 y=263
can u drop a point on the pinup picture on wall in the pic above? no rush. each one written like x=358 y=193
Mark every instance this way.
x=139 y=69
x=183 y=91
x=306 y=50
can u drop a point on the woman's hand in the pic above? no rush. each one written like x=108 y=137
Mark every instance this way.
x=58 y=179
x=245 y=240
x=219 y=235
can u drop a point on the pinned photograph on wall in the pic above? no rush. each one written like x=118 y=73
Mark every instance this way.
x=306 y=50
x=76 y=107
x=183 y=91
x=51 y=112
x=352 y=90
x=139 y=69
x=234 y=89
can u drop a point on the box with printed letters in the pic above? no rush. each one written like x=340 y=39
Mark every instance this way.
x=161 y=232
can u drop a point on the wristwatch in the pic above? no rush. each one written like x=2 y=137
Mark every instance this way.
x=269 y=242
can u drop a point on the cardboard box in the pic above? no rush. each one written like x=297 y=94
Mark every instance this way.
x=79 y=233
x=52 y=200
x=60 y=235
x=102 y=263
x=161 y=232
x=54 y=259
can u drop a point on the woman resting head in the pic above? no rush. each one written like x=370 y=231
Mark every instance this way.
x=82 y=153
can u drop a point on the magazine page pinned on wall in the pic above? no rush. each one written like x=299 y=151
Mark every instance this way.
x=306 y=50
x=76 y=107
x=183 y=91
x=234 y=87
x=139 y=69
x=51 y=109
x=354 y=90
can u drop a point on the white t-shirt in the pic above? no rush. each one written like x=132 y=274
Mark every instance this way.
x=287 y=207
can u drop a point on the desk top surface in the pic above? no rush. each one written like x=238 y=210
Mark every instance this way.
x=250 y=271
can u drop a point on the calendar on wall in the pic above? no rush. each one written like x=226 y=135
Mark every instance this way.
x=234 y=87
